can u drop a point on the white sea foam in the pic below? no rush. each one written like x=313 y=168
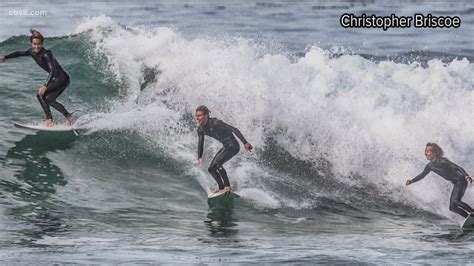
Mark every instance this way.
x=366 y=118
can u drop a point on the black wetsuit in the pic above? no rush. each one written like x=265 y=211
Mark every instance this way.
x=56 y=82
x=222 y=132
x=456 y=175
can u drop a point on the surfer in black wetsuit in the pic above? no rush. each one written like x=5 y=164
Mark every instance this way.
x=57 y=80
x=449 y=171
x=222 y=132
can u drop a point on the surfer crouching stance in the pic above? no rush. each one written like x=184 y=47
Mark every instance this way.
x=222 y=132
x=449 y=171
x=57 y=80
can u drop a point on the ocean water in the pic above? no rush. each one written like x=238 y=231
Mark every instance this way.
x=338 y=117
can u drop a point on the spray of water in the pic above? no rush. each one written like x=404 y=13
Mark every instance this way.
x=367 y=119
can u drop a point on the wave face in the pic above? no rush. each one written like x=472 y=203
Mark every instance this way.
x=343 y=119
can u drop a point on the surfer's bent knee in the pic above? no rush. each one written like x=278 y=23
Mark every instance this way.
x=212 y=168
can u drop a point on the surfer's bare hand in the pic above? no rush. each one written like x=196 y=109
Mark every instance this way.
x=469 y=179
x=248 y=146
x=199 y=162
x=42 y=90
x=409 y=182
x=2 y=58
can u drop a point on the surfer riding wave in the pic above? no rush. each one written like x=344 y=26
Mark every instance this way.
x=449 y=171
x=57 y=80
x=224 y=133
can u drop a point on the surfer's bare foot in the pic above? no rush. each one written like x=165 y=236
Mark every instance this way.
x=227 y=189
x=217 y=190
x=71 y=120
x=49 y=123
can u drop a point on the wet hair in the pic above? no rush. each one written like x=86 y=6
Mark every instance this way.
x=436 y=149
x=36 y=35
x=203 y=109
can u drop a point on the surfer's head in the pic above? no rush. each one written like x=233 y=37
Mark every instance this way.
x=36 y=40
x=202 y=114
x=433 y=151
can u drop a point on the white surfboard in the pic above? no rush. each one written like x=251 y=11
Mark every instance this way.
x=468 y=223
x=222 y=195
x=43 y=127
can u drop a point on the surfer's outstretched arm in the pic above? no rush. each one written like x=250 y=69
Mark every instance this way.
x=422 y=175
x=239 y=135
x=15 y=54
x=236 y=132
